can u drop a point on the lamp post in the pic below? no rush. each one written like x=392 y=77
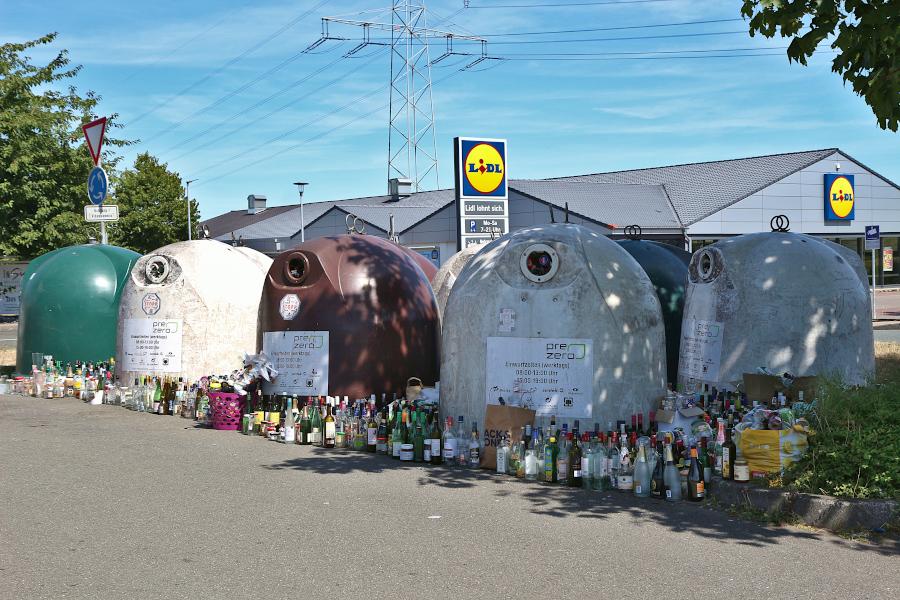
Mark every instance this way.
x=300 y=185
x=187 y=193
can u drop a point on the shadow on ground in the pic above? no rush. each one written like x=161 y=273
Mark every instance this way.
x=562 y=502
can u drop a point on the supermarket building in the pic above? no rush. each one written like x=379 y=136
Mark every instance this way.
x=689 y=205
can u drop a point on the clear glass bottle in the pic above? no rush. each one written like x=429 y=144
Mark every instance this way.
x=474 y=447
x=642 y=474
x=587 y=462
x=613 y=461
x=462 y=443
x=531 y=455
x=503 y=451
x=671 y=477
x=562 y=457
x=449 y=443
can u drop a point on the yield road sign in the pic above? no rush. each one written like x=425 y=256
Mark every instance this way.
x=97 y=185
x=96 y=214
x=93 y=133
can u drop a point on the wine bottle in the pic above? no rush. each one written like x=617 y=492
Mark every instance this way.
x=474 y=447
x=426 y=451
x=330 y=440
x=574 y=475
x=419 y=437
x=397 y=434
x=315 y=424
x=696 y=488
x=381 y=435
x=562 y=457
x=462 y=443
x=531 y=456
x=729 y=455
x=657 y=479
x=371 y=431
x=641 y=474
x=437 y=453
x=672 y=478
x=720 y=444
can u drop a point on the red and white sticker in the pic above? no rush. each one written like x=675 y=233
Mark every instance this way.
x=151 y=304
x=289 y=306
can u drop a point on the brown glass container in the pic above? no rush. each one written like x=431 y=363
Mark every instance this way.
x=374 y=302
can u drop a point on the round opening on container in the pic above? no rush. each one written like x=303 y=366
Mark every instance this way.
x=296 y=268
x=539 y=263
x=708 y=263
x=157 y=269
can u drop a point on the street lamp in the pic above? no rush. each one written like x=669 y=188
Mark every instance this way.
x=187 y=194
x=300 y=185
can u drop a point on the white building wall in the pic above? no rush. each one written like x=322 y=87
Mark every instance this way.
x=801 y=196
x=438 y=230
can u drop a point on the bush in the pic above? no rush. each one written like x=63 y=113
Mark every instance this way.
x=855 y=452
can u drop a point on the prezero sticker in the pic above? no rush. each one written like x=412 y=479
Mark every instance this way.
x=289 y=306
x=151 y=304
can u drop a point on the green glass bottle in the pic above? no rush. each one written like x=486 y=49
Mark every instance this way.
x=551 y=453
x=419 y=438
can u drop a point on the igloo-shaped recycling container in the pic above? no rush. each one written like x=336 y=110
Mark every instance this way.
x=348 y=315
x=556 y=318
x=788 y=302
x=190 y=309
x=70 y=304
x=446 y=276
x=667 y=268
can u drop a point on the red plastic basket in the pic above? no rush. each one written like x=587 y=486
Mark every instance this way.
x=226 y=410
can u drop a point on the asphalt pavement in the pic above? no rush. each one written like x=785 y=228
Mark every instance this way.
x=101 y=502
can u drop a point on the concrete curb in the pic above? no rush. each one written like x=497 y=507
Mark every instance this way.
x=825 y=512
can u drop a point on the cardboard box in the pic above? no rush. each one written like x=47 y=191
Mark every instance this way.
x=760 y=388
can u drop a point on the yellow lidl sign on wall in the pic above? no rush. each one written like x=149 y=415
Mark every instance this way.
x=481 y=190
x=840 y=197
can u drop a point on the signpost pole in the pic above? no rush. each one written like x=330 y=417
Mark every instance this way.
x=873 y=243
x=187 y=194
x=873 y=283
x=103 y=239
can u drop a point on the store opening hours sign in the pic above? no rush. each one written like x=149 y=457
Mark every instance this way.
x=301 y=359
x=152 y=345
x=552 y=376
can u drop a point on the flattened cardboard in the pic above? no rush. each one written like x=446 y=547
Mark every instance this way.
x=759 y=388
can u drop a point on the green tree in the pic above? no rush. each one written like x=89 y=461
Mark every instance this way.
x=44 y=162
x=152 y=211
x=865 y=33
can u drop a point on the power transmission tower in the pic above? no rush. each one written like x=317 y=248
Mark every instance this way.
x=412 y=147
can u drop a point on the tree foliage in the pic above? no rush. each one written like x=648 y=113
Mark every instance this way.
x=152 y=208
x=865 y=34
x=44 y=163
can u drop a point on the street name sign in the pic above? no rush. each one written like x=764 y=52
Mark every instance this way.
x=97 y=214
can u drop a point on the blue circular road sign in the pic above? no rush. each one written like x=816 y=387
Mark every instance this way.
x=97 y=185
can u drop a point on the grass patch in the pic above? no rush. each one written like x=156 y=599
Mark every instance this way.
x=887 y=363
x=7 y=357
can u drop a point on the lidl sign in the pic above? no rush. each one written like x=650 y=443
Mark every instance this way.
x=840 y=197
x=481 y=190
x=481 y=168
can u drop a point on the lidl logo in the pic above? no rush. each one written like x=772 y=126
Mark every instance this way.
x=482 y=168
x=840 y=197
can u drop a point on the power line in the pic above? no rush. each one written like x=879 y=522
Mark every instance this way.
x=277 y=110
x=565 y=4
x=650 y=52
x=547 y=57
x=231 y=62
x=323 y=133
x=618 y=39
x=621 y=28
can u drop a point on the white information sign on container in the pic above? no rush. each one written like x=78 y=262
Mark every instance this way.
x=301 y=359
x=152 y=345
x=701 y=349
x=552 y=376
x=11 y=275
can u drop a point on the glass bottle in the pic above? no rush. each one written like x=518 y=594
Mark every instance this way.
x=462 y=443
x=562 y=456
x=613 y=458
x=600 y=477
x=437 y=453
x=531 y=455
x=474 y=448
x=330 y=439
x=539 y=445
x=704 y=459
x=575 y=475
x=419 y=437
x=381 y=436
x=426 y=451
x=448 y=443
x=315 y=424
x=657 y=480
x=371 y=431
x=696 y=490
x=720 y=444
x=641 y=474
x=625 y=476
x=397 y=433
x=503 y=455
x=551 y=452
x=671 y=478
x=729 y=455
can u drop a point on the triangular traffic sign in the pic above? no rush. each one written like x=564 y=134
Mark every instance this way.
x=93 y=133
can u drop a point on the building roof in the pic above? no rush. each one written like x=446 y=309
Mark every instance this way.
x=698 y=190
x=286 y=225
x=235 y=219
x=616 y=204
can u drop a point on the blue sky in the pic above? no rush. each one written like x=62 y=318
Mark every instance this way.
x=182 y=81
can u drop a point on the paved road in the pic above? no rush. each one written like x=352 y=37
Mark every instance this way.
x=887 y=305
x=100 y=502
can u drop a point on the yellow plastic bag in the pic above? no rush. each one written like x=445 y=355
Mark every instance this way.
x=772 y=451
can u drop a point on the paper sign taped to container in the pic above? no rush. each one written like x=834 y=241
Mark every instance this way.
x=551 y=376
x=11 y=276
x=152 y=345
x=701 y=349
x=301 y=359
x=507 y=320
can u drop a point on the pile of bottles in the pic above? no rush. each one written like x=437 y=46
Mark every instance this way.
x=83 y=380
